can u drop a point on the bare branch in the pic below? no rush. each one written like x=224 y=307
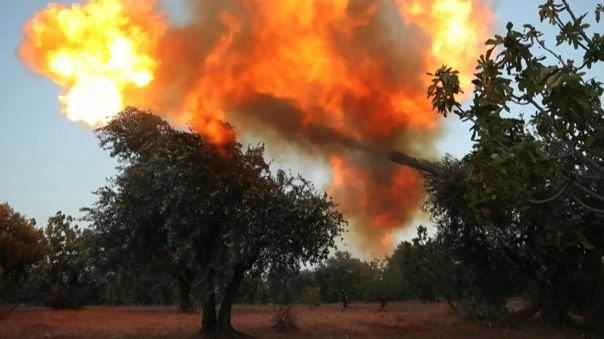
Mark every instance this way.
x=557 y=56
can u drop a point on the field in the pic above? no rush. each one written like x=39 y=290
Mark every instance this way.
x=398 y=320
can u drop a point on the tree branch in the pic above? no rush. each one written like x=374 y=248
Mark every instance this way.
x=576 y=22
x=557 y=56
x=590 y=177
x=588 y=191
x=591 y=163
x=418 y=164
x=552 y=198
x=593 y=209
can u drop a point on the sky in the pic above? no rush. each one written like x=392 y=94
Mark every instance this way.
x=49 y=163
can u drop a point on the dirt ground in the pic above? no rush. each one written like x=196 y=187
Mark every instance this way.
x=398 y=320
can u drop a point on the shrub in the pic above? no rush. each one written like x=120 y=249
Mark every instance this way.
x=284 y=320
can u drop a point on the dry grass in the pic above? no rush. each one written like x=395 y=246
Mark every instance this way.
x=398 y=320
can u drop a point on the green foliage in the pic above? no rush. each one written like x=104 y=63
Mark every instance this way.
x=529 y=199
x=381 y=283
x=21 y=248
x=465 y=261
x=207 y=213
x=254 y=290
x=338 y=277
x=21 y=244
x=312 y=296
x=413 y=262
x=63 y=265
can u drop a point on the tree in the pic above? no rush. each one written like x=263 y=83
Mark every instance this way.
x=21 y=243
x=286 y=287
x=136 y=221
x=300 y=282
x=413 y=262
x=339 y=277
x=529 y=198
x=63 y=265
x=218 y=207
x=274 y=207
x=311 y=296
x=467 y=262
x=21 y=246
x=381 y=283
x=254 y=290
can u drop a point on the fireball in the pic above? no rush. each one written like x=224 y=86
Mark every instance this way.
x=94 y=52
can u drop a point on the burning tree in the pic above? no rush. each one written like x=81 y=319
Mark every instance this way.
x=218 y=208
x=533 y=189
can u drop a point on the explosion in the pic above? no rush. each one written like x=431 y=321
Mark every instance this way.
x=95 y=53
x=340 y=80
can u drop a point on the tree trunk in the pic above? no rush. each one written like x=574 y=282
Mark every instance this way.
x=552 y=302
x=223 y=325
x=527 y=312
x=184 y=291
x=208 y=318
x=183 y=274
x=450 y=303
x=208 y=322
x=556 y=301
x=589 y=293
x=344 y=299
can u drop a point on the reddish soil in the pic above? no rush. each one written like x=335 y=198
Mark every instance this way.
x=398 y=320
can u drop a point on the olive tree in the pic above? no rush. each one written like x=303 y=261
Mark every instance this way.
x=339 y=277
x=214 y=212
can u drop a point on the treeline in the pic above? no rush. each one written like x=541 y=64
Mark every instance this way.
x=62 y=266
x=408 y=274
x=57 y=266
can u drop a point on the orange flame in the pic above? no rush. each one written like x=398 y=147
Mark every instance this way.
x=337 y=78
x=94 y=52
x=456 y=27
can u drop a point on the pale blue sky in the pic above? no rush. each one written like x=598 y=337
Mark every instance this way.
x=49 y=163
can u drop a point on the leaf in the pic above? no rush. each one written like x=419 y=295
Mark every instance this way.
x=585 y=242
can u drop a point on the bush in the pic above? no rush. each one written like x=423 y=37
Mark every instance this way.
x=284 y=320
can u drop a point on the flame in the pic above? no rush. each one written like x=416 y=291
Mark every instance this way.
x=387 y=202
x=387 y=241
x=456 y=28
x=338 y=79
x=95 y=52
